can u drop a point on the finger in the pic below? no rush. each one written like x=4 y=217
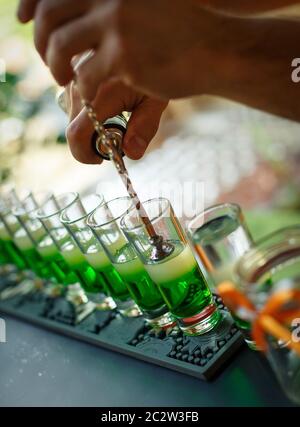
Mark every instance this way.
x=110 y=101
x=73 y=38
x=100 y=67
x=52 y=14
x=75 y=102
x=79 y=135
x=26 y=10
x=142 y=127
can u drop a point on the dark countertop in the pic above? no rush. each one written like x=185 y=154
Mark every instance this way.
x=41 y=368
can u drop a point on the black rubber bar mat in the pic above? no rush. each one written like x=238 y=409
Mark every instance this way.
x=201 y=356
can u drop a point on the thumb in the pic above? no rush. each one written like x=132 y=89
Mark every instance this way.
x=142 y=126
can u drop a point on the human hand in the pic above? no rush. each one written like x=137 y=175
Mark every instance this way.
x=112 y=98
x=171 y=48
x=163 y=48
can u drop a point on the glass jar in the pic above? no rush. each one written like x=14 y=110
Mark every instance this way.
x=271 y=270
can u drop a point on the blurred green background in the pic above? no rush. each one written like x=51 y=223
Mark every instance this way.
x=28 y=113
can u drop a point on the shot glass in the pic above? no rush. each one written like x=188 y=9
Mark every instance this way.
x=8 y=227
x=177 y=275
x=271 y=271
x=74 y=219
x=37 y=245
x=28 y=231
x=105 y=223
x=12 y=263
x=14 y=267
x=220 y=237
x=20 y=246
x=60 y=247
x=4 y=258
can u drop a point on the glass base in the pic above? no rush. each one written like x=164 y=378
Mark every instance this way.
x=246 y=332
x=251 y=344
x=82 y=306
x=7 y=269
x=202 y=322
x=128 y=308
x=83 y=311
x=164 y=321
x=23 y=288
x=102 y=301
x=13 y=275
x=52 y=290
x=76 y=295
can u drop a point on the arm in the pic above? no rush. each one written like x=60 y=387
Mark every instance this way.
x=257 y=71
x=247 y=7
x=194 y=51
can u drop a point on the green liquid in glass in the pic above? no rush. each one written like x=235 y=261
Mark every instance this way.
x=52 y=257
x=30 y=253
x=141 y=287
x=14 y=256
x=4 y=259
x=89 y=279
x=181 y=282
x=37 y=264
x=3 y=255
x=8 y=248
x=114 y=284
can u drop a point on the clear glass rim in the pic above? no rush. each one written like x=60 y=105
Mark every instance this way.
x=20 y=210
x=11 y=190
x=80 y=218
x=233 y=207
x=7 y=189
x=90 y=217
x=6 y=194
x=152 y=220
x=258 y=258
x=4 y=208
x=41 y=216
